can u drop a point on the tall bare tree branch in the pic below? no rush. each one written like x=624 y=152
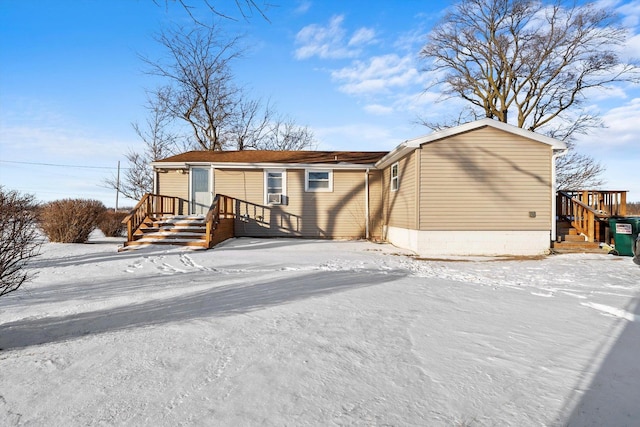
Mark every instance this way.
x=199 y=87
x=530 y=63
x=246 y=8
x=200 y=90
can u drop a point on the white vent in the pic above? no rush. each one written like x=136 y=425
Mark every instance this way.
x=274 y=198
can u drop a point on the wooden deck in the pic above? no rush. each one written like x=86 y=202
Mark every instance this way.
x=583 y=219
x=156 y=220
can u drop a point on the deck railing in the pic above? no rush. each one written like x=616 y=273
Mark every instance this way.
x=613 y=203
x=588 y=211
x=149 y=206
x=220 y=209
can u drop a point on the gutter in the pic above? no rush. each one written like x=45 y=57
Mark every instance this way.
x=230 y=165
x=554 y=199
x=366 y=204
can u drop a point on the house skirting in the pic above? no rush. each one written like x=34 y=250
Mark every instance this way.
x=485 y=243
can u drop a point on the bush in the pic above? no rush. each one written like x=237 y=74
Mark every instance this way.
x=18 y=238
x=70 y=220
x=110 y=223
x=633 y=208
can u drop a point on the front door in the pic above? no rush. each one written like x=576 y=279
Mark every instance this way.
x=200 y=191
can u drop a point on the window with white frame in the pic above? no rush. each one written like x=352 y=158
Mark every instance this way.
x=318 y=180
x=395 y=178
x=275 y=184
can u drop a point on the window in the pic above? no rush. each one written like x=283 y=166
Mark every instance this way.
x=395 y=179
x=275 y=184
x=318 y=180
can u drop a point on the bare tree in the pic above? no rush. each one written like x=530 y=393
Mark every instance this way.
x=259 y=127
x=249 y=124
x=285 y=134
x=159 y=142
x=19 y=240
x=246 y=8
x=201 y=92
x=200 y=88
x=531 y=63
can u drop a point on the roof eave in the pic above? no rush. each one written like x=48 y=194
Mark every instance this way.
x=263 y=165
x=445 y=133
x=399 y=152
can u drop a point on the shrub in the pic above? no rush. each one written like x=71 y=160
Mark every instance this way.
x=70 y=220
x=633 y=208
x=19 y=241
x=110 y=223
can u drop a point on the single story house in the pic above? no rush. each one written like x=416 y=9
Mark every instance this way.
x=482 y=188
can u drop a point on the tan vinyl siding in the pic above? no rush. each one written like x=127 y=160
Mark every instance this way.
x=246 y=186
x=400 y=205
x=486 y=179
x=243 y=184
x=172 y=183
x=336 y=214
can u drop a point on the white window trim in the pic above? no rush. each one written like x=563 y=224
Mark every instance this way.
x=396 y=178
x=284 y=185
x=318 y=190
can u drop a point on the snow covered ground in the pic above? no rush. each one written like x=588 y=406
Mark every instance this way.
x=305 y=332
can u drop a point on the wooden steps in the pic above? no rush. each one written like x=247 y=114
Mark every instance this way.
x=568 y=240
x=182 y=230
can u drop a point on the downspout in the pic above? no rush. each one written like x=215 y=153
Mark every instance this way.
x=155 y=181
x=554 y=199
x=366 y=204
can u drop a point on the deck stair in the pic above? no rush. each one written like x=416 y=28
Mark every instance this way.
x=183 y=230
x=569 y=240
x=583 y=219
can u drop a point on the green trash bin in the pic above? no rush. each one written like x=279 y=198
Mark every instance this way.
x=624 y=231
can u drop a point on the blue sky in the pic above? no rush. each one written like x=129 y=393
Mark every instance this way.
x=71 y=84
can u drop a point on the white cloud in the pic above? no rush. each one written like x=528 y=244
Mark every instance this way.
x=616 y=147
x=378 y=110
x=331 y=41
x=303 y=7
x=378 y=75
x=621 y=127
x=411 y=41
x=631 y=49
x=362 y=36
x=362 y=136
x=630 y=12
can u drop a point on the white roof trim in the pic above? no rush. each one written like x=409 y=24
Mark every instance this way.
x=412 y=144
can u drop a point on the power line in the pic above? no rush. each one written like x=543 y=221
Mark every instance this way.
x=59 y=165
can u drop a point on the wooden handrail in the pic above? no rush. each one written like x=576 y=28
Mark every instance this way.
x=613 y=203
x=149 y=206
x=583 y=217
x=212 y=218
x=218 y=210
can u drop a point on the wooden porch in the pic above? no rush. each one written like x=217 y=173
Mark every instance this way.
x=158 y=220
x=583 y=218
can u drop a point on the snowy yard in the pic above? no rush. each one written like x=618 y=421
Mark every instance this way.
x=305 y=332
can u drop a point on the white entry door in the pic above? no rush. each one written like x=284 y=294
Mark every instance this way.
x=200 y=191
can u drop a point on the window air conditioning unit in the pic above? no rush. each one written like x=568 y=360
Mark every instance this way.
x=274 y=198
